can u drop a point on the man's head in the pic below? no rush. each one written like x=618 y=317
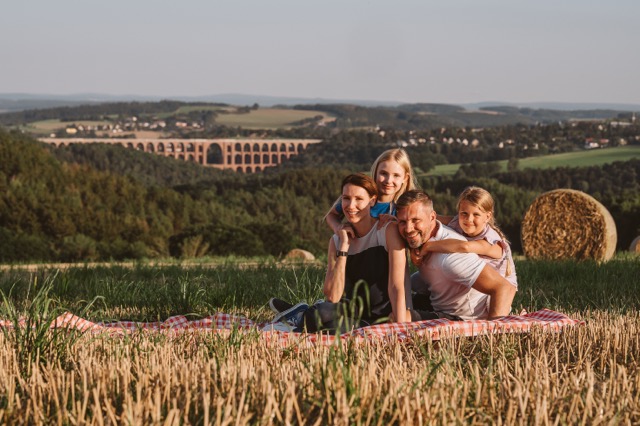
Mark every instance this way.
x=416 y=218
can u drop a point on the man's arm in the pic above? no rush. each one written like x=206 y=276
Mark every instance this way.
x=397 y=275
x=500 y=290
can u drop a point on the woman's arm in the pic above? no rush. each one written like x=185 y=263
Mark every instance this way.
x=334 y=280
x=481 y=247
x=397 y=266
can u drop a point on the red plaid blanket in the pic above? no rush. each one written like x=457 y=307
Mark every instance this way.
x=222 y=323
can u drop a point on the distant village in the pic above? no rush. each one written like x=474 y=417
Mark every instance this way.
x=127 y=128
x=589 y=143
x=131 y=124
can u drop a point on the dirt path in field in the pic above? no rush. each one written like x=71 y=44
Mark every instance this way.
x=34 y=267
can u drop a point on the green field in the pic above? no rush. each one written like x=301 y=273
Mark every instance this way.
x=594 y=157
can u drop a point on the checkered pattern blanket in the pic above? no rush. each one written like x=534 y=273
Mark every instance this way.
x=223 y=323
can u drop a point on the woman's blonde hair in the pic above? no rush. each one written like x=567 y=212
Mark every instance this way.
x=401 y=157
x=482 y=199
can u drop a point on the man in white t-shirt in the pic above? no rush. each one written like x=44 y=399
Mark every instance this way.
x=461 y=285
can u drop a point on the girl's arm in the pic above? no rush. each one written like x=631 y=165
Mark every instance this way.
x=334 y=220
x=481 y=247
x=397 y=276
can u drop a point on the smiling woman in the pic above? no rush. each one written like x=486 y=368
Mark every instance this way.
x=366 y=278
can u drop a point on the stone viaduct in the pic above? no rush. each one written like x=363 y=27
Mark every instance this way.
x=241 y=155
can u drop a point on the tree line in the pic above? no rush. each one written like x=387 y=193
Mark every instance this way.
x=99 y=111
x=102 y=202
x=434 y=116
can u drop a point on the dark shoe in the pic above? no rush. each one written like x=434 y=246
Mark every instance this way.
x=279 y=305
x=422 y=302
x=422 y=315
x=293 y=315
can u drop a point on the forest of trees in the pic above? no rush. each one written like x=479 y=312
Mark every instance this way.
x=94 y=111
x=52 y=209
x=101 y=202
x=435 y=116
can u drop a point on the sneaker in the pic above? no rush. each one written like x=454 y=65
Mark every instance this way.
x=279 y=305
x=292 y=314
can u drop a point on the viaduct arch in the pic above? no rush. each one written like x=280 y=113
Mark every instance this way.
x=241 y=155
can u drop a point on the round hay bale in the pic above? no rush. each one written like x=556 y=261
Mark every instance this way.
x=635 y=246
x=299 y=255
x=568 y=224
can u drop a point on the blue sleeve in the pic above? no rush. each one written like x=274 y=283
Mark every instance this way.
x=383 y=208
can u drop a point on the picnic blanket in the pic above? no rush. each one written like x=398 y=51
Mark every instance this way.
x=546 y=319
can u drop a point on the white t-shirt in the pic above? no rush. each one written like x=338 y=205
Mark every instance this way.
x=451 y=277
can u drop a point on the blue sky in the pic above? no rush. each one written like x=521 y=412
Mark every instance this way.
x=449 y=51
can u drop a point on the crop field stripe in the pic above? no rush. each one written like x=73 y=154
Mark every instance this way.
x=593 y=157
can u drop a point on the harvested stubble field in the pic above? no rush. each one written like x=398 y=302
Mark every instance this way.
x=586 y=374
x=270 y=118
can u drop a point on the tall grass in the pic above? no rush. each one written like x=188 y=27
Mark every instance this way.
x=149 y=293
x=152 y=293
x=579 y=286
x=32 y=332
